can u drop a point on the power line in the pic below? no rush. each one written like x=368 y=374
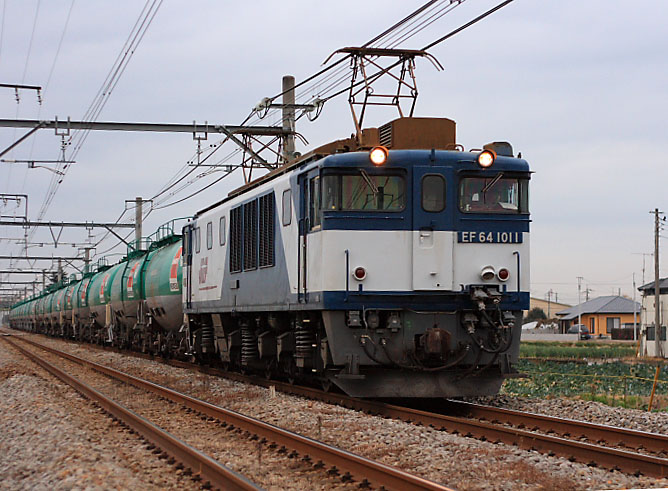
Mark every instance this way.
x=336 y=75
x=137 y=33
x=32 y=37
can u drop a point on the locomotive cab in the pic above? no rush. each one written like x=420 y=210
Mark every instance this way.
x=432 y=247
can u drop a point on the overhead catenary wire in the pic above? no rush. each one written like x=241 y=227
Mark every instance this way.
x=48 y=81
x=122 y=60
x=408 y=27
x=136 y=35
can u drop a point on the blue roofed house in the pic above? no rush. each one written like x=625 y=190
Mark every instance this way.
x=603 y=316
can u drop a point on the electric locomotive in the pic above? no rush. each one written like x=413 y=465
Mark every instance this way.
x=392 y=264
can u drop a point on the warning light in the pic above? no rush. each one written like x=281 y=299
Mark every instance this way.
x=378 y=155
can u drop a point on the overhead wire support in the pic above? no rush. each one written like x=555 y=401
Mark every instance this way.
x=18 y=87
x=30 y=223
x=157 y=127
x=14 y=271
x=42 y=258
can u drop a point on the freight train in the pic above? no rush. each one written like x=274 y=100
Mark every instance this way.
x=390 y=264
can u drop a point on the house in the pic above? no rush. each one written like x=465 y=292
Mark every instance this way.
x=601 y=315
x=550 y=308
x=648 y=316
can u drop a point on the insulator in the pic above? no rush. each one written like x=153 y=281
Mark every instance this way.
x=249 y=351
x=304 y=341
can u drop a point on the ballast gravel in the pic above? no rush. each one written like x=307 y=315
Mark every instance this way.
x=51 y=438
x=459 y=462
x=593 y=412
x=265 y=468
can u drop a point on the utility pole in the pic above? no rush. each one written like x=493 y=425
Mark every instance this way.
x=635 y=308
x=60 y=270
x=549 y=297
x=579 y=303
x=138 y=221
x=87 y=259
x=657 y=289
x=288 y=117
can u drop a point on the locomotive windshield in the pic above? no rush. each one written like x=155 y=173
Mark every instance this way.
x=364 y=192
x=496 y=194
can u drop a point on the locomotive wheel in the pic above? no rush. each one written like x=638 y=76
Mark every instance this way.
x=326 y=384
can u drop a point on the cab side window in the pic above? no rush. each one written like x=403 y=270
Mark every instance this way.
x=433 y=193
x=314 y=203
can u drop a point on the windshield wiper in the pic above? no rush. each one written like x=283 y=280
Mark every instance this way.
x=492 y=182
x=369 y=182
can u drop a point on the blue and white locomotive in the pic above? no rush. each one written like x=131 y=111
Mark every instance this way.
x=390 y=265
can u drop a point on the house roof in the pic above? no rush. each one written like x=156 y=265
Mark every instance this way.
x=611 y=304
x=648 y=288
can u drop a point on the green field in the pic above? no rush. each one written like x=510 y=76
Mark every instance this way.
x=576 y=350
x=614 y=383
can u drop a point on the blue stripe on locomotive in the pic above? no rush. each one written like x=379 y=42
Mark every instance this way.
x=269 y=289
x=452 y=165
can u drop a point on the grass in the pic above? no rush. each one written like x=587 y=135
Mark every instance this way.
x=614 y=383
x=575 y=350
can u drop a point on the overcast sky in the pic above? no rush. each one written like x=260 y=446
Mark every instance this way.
x=578 y=87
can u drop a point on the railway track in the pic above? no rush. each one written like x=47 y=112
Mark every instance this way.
x=525 y=430
x=209 y=470
x=351 y=466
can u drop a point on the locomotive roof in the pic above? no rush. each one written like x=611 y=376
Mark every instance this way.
x=422 y=137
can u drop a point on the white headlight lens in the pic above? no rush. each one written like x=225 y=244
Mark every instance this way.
x=378 y=155
x=486 y=158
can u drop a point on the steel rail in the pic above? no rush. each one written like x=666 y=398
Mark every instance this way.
x=586 y=453
x=200 y=463
x=654 y=442
x=359 y=467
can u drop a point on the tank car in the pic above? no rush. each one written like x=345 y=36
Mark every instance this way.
x=134 y=304
x=391 y=265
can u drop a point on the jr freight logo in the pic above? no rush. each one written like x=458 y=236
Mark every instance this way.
x=174 y=271
x=131 y=280
x=203 y=269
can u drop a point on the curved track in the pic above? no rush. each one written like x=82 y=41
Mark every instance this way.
x=362 y=469
x=204 y=466
x=500 y=425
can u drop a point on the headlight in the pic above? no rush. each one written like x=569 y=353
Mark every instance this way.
x=486 y=158
x=378 y=155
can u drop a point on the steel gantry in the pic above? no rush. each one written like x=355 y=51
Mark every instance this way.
x=243 y=136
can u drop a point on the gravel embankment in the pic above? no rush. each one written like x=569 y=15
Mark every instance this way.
x=268 y=469
x=459 y=462
x=593 y=412
x=52 y=438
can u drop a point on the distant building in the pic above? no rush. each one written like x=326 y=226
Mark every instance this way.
x=550 y=308
x=648 y=332
x=601 y=315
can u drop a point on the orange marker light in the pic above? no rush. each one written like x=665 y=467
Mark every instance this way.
x=486 y=158
x=378 y=155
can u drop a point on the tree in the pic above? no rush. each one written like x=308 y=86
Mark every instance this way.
x=536 y=314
